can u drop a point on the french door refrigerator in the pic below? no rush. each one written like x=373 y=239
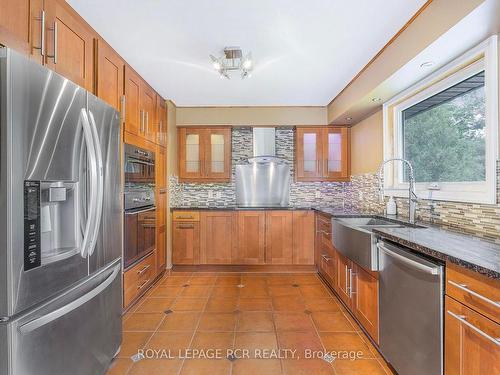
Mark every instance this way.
x=60 y=224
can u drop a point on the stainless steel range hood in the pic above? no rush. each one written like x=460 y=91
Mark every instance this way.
x=264 y=181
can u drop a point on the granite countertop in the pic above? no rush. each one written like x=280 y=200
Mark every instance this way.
x=464 y=250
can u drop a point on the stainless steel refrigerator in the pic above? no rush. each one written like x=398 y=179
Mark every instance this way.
x=60 y=224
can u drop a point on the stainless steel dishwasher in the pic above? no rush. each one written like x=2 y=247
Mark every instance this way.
x=411 y=311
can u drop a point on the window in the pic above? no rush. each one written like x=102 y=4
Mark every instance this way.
x=446 y=126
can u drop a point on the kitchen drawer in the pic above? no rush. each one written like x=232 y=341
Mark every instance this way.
x=474 y=290
x=328 y=265
x=137 y=278
x=186 y=216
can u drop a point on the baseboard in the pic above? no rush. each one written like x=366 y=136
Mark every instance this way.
x=261 y=268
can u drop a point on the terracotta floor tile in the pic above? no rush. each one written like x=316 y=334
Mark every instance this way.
x=203 y=280
x=120 y=366
x=166 y=291
x=213 y=340
x=299 y=341
x=306 y=279
x=255 y=304
x=280 y=280
x=254 y=281
x=132 y=341
x=256 y=367
x=332 y=322
x=180 y=321
x=283 y=291
x=255 y=342
x=255 y=322
x=254 y=292
x=218 y=322
x=189 y=304
x=293 y=322
x=226 y=291
x=206 y=367
x=228 y=281
x=196 y=291
x=308 y=367
x=156 y=367
x=345 y=341
x=151 y=305
x=143 y=322
x=322 y=304
x=288 y=304
x=314 y=291
x=221 y=304
x=176 y=280
x=351 y=319
x=173 y=342
x=357 y=367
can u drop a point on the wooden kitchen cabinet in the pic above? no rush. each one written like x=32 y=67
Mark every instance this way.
x=110 y=72
x=217 y=237
x=148 y=107
x=303 y=237
x=161 y=121
x=70 y=43
x=186 y=242
x=279 y=237
x=344 y=278
x=21 y=26
x=365 y=299
x=204 y=154
x=471 y=341
x=322 y=154
x=251 y=229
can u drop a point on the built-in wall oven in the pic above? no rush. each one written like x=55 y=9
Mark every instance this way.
x=139 y=204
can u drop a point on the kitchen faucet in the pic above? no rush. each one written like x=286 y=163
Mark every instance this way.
x=412 y=196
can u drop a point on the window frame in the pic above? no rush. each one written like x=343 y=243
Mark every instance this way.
x=482 y=57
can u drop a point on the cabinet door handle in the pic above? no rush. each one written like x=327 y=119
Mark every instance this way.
x=463 y=319
x=185 y=226
x=465 y=289
x=346 y=279
x=145 y=268
x=42 y=33
x=54 y=56
x=147 y=122
x=350 y=283
x=123 y=109
x=184 y=217
x=139 y=287
x=141 y=113
x=326 y=258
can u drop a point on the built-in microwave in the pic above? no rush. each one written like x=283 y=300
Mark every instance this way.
x=139 y=165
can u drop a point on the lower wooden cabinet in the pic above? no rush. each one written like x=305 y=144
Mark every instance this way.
x=344 y=274
x=251 y=229
x=471 y=341
x=217 y=237
x=303 y=237
x=279 y=237
x=186 y=242
x=138 y=278
x=364 y=297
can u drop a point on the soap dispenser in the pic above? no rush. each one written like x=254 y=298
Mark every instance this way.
x=391 y=208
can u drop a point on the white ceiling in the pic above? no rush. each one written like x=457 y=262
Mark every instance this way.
x=305 y=51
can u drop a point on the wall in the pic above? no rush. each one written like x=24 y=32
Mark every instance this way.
x=244 y=116
x=302 y=194
x=367 y=144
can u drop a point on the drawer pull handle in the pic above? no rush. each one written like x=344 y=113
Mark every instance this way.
x=326 y=258
x=140 y=272
x=463 y=319
x=185 y=226
x=139 y=287
x=465 y=289
x=184 y=217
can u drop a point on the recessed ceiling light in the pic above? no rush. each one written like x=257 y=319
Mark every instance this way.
x=427 y=64
x=376 y=100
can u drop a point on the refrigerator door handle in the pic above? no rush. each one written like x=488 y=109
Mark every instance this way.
x=100 y=186
x=89 y=141
x=50 y=317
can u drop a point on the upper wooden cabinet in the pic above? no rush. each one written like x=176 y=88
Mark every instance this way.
x=21 y=26
x=109 y=74
x=70 y=43
x=322 y=154
x=148 y=102
x=204 y=154
x=161 y=121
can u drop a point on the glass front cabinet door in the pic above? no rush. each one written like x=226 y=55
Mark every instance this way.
x=322 y=154
x=204 y=154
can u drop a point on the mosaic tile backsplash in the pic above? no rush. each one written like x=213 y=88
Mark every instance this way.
x=361 y=194
x=302 y=194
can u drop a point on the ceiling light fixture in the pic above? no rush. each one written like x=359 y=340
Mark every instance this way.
x=427 y=64
x=375 y=100
x=233 y=60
